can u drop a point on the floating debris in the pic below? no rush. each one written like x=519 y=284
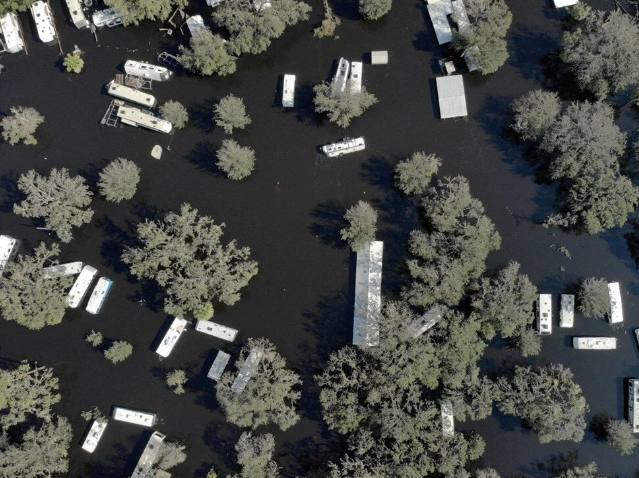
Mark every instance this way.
x=156 y=152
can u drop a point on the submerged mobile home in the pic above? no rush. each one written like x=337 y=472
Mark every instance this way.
x=341 y=76
x=63 y=270
x=81 y=286
x=451 y=96
x=109 y=17
x=219 y=364
x=594 y=343
x=144 y=467
x=131 y=94
x=356 y=76
x=633 y=404
x=368 y=294
x=99 y=295
x=248 y=369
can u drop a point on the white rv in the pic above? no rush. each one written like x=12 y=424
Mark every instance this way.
x=95 y=433
x=594 y=343
x=288 y=92
x=220 y=363
x=448 y=420
x=356 y=76
x=7 y=247
x=345 y=146
x=109 y=17
x=567 y=310
x=171 y=337
x=216 y=330
x=43 y=19
x=81 y=286
x=616 y=312
x=341 y=75
x=564 y=3
x=145 y=119
x=146 y=70
x=131 y=94
x=195 y=24
x=78 y=18
x=136 y=417
x=99 y=295
x=544 y=314
x=633 y=404
x=11 y=39
x=144 y=467
x=63 y=270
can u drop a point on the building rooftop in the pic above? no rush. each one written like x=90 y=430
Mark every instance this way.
x=451 y=96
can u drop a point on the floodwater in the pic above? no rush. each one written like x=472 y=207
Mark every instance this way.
x=289 y=213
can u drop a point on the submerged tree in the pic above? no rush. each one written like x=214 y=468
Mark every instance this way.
x=119 y=351
x=586 y=471
x=61 y=200
x=207 y=55
x=236 y=161
x=329 y=23
x=230 y=113
x=255 y=456
x=534 y=113
x=176 y=379
x=171 y=454
x=73 y=62
x=413 y=175
x=185 y=255
x=342 y=106
x=8 y=6
x=362 y=226
x=175 y=113
x=20 y=125
x=139 y=10
x=119 y=180
x=620 y=436
x=593 y=297
x=94 y=338
x=374 y=9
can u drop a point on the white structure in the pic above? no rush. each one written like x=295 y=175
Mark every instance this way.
x=81 y=286
x=544 y=314
x=146 y=70
x=136 y=417
x=633 y=404
x=448 y=420
x=247 y=370
x=594 y=343
x=214 y=3
x=216 y=330
x=95 y=433
x=219 y=364
x=99 y=295
x=616 y=313
x=7 y=247
x=451 y=96
x=145 y=119
x=131 y=94
x=459 y=15
x=637 y=336
x=564 y=3
x=469 y=55
x=288 y=91
x=567 y=310
x=43 y=19
x=11 y=39
x=345 y=146
x=341 y=76
x=144 y=468
x=425 y=322
x=78 y=18
x=109 y=17
x=379 y=57
x=438 y=12
x=62 y=270
x=356 y=76
x=171 y=337
x=195 y=24
x=368 y=294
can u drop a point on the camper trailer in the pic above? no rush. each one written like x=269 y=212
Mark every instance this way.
x=99 y=295
x=345 y=146
x=171 y=337
x=288 y=92
x=145 y=119
x=78 y=18
x=216 y=330
x=95 y=433
x=567 y=310
x=11 y=39
x=63 y=270
x=7 y=248
x=81 y=286
x=338 y=83
x=544 y=314
x=594 y=343
x=356 y=76
x=131 y=94
x=146 y=70
x=43 y=19
x=108 y=17
x=136 y=417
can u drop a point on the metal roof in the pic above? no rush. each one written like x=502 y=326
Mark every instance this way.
x=368 y=294
x=438 y=13
x=452 y=99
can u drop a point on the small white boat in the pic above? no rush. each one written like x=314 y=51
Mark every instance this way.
x=43 y=19
x=345 y=146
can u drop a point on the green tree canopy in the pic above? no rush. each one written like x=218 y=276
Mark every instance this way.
x=236 y=161
x=593 y=297
x=138 y=10
x=73 y=62
x=362 y=226
x=21 y=124
x=119 y=351
x=207 y=55
x=7 y=6
x=230 y=113
x=342 y=107
x=374 y=9
x=534 y=113
x=175 y=113
x=587 y=471
x=119 y=180
x=413 y=175
x=620 y=436
x=255 y=456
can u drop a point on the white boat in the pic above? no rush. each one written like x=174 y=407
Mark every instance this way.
x=616 y=312
x=425 y=322
x=220 y=363
x=99 y=295
x=78 y=18
x=146 y=70
x=144 y=467
x=109 y=17
x=341 y=75
x=356 y=76
x=63 y=270
x=345 y=146
x=567 y=310
x=136 y=417
x=448 y=419
x=95 y=433
x=11 y=39
x=81 y=286
x=248 y=369
x=544 y=314
x=178 y=326
x=7 y=248
x=594 y=343
x=131 y=94
x=633 y=404
x=145 y=119
x=43 y=19
x=288 y=92
x=216 y=330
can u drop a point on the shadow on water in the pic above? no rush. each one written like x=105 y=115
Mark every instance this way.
x=527 y=46
x=202 y=115
x=117 y=239
x=91 y=173
x=9 y=182
x=310 y=458
x=204 y=157
x=329 y=220
x=222 y=440
x=553 y=466
x=304 y=107
x=347 y=9
x=113 y=467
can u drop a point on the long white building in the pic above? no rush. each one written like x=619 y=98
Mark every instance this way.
x=368 y=294
x=178 y=326
x=62 y=270
x=216 y=330
x=99 y=295
x=95 y=433
x=616 y=312
x=144 y=468
x=136 y=417
x=594 y=343
x=248 y=369
x=11 y=39
x=448 y=420
x=7 y=248
x=81 y=286
x=633 y=404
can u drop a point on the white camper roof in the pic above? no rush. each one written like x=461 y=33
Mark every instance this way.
x=62 y=270
x=136 y=417
x=248 y=369
x=564 y=3
x=195 y=24
x=616 y=312
x=10 y=29
x=451 y=95
x=81 y=285
x=368 y=294
x=171 y=337
x=78 y=18
x=216 y=330
x=288 y=93
x=151 y=451
x=43 y=19
x=95 y=433
x=356 y=76
x=137 y=117
x=7 y=244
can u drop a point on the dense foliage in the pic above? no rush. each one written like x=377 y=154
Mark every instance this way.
x=7 y=6
x=230 y=113
x=207 y=55
x=361 y=227
x=139 y=10
x=341 y=107
x=593 y=298
x=255 y=456
x=20 y=125
x=119 y=180
x=236 y=161
x=413 y=175
x=175 y=113
x=374 y=9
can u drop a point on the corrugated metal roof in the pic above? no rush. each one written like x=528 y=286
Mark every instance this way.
x=438 y=13
x=452 y=99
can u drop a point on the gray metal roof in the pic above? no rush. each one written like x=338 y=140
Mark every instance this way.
x=452 y=99
x=438 y=13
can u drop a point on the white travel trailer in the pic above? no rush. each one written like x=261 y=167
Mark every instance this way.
x=78 y=18
x=144 y=119
x=564 y=3
x=171 y=337
x=288 y=92
x=109 y=17
x=99 y=295
x=131 y=94
x=248 y=369
x=43 y=19
x=341 y=75
x=136 y=417
x=216 y=330
x=144 y=468
x=368 y=294
x=95 y=433
x=567 y=310
x=356 y=76
x=633 y=404
x=544 y=314
x=63 y=270
x=7 y=247
x=594 y=343
x=616 y=312
x=220 y=363
x=345 y=146
x=448 y=420
x=425 y=322
x=146 y=70
x=81 y=286
x=11 y=39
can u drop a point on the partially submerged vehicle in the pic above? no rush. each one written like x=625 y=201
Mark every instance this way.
x=81 y=286
x=11 y=39
x=78 y=18
x=145 y=119
x=345 y=146
x=131 y=94
x=108 y=17
x=147 y=70
x=544 y=314
x=43 y=18
x=594 y=343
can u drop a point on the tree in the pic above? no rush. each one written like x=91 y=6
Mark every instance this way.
x=413 y=175
x=73 y=62
x=600 y=52
x=184 y=254
x=255 y=456
x=230 y=113
x=587 y=471
x=548 y=400
x=171 y=454
x=580 y=11
x=329 y=23
x=21 y=124
x=94 y=413
x=8 y=6
x=484 y=40
x=534 y=113
x=60 y=199
x=138 y=10
x=30 y=298
x=176 y=379
x=594 y=300
x=270 y=396
x=94 y=338
x=486 y=473
x=175 y=113
x=529 y=343
x=207 y=55
x=342 y=106
x=474 y=399
x=362 y=226
x=119 y=180
x=119 y=351
x=620 y=436
x=236 y=161
x=374 y=9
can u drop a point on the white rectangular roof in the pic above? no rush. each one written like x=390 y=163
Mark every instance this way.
x=81 y=286
x=95 y=433
x=451 y=95
x=151 y=451
x=594 y=343
x=147 y=70
x=438 y=13
x=107 y=16
x=288 y=91
x=131 y=94
x=138 y=117
x=134 y=416
x=171 y=337
x=460 y=16
x=564 y=3
x=379 y=57
x=99 y=294
x=356 y=76
x=62 y=270
x=10 y=29
x=220 y=363
x=248 y=368
x=6 y=249
x=567 y=311
x=633 y=403
x=616 y=312
x=448 y=419
x=368 y=294
x=78 y=18
x=216 y=330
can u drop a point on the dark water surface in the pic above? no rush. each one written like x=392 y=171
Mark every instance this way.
x=288 y=212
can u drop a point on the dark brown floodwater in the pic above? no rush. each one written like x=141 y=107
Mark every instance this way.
x=288 y=212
